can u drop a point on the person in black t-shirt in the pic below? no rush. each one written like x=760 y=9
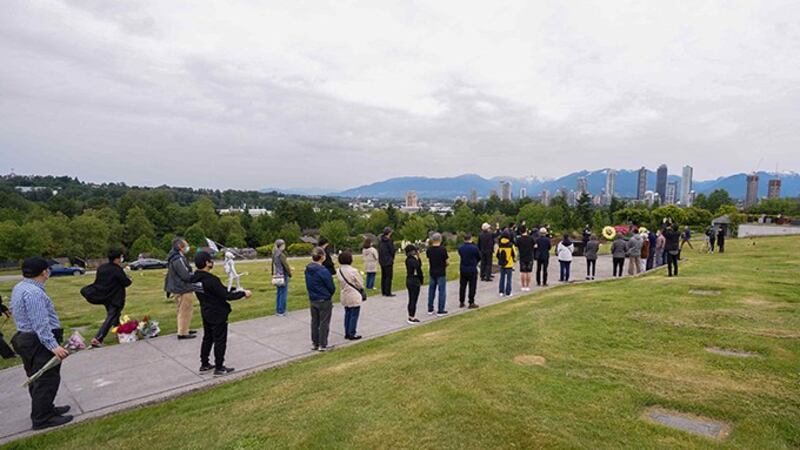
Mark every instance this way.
x=437 y=261
x=525 y=245
x=414 y=280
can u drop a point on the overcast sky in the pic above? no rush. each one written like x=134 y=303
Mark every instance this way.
x=248 y=94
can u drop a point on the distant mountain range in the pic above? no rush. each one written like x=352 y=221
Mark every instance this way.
x=626 y=182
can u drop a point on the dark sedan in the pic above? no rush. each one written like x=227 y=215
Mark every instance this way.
x=147 y=263
x=58 y=270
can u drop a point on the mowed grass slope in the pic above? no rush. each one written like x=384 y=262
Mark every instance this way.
x=612 y=349
x=146 y=296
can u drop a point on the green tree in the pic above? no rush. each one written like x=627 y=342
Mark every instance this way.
x=290 y=233
x=415 y=229
x=142 y=245
x=137 y=224
x=583 y=210
x=231 y=228
x=196 y=236
x=90 y=235
x=336 y=231
x=378 y=220
x=671 y=212
x=717 y=199
x=208 y=219
x=638 y=216
x=533 y=214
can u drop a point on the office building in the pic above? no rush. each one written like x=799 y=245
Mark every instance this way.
x=672 y=193
x=473 y=196
x=641 y=184
x=774 y=188
x=523 y=192
x=545 y=197
x=611 y=181
x=751 y=198
x=411 y=199
x=661 y=182
x=582 y=186
x=505 y=190
x=686 y=186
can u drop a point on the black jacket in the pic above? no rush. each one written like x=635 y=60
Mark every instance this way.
x=386 y=252
x=525 y=245
x=486 y=242
x=3 y=308
x=213 y=297
x=671 y=238
x=328 y=262
x=542 y=251
x=110 y=283
x=414 y=270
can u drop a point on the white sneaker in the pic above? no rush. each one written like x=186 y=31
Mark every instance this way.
x=430 y=313
x=502 y=295
x=509 y=295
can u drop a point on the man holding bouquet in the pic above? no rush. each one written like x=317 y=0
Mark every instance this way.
x=38 y=338
x=214 y=308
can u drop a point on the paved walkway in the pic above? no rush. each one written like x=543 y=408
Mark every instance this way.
x=102 y=381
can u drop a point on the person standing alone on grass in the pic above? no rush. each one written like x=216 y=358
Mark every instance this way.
x=721 y=239
x=468 y=267
x=179 y=283
x=486 y=247
x=505 y=259
x=414 y=280
x=590 y=251
x=671 y=246
x=320 y=287
x=618 y=252
x=564 y=251
x=37 y=340
x=386 y=252
x=215 y=309
x=352 y=294
x=525 y=245
x=634 y=252
x=109 y=285
x=280 y=269
x=711 y=235
x=686 y=238
x=370 y=256
x=437 y=262
x=541 y=252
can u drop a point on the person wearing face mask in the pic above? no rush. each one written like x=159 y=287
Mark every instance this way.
x=38 y=338
x=179 y=283
x=109 y=288
x=214 y=301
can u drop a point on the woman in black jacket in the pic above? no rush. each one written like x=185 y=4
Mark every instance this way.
x=672 y=248
x=414 y=279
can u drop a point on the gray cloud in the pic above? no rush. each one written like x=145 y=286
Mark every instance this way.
x=244 y=95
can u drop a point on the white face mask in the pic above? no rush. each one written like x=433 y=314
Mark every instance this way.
x=186 y=249
x=121 y=259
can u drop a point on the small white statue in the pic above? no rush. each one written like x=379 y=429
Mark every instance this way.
x=230 y=269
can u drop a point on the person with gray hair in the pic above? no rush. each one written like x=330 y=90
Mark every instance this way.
x=437 y=261
x=320 y=287
x=178 y=282
x=281 y=272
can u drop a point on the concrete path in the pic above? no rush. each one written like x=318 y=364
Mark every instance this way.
x=101 y=381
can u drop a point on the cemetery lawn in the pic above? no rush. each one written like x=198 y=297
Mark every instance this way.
x=611 y=349
x=146 y=296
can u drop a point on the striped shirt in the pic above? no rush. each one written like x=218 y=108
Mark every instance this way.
x=34 y=311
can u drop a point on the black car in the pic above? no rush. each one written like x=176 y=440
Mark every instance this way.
x=58 y=270
x=147 y=263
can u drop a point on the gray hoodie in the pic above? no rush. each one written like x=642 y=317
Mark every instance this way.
x=635 y=245
x=179 y=274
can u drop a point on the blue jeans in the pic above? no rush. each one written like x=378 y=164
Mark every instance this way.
x=351 y=320
x=564 y=274
x=505 y=280
x=441 y=284
x=371 y=280
x=283 y=294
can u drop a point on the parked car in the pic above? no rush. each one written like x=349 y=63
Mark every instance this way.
x=147 y=263
x=57 y=270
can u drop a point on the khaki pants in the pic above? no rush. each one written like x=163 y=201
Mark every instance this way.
x=184 y=303
x=634 y=264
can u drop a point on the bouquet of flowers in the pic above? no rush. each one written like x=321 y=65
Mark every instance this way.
x=148 y=328
x=75 y=343
x=126 y=330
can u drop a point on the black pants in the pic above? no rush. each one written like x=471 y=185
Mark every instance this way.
x=112 y=319
x=672 y=261
x=721 y=245
x=214 y=335
x=711 y=243
x=650 y=260
x=6 y=352
x=387 y=272
x=618 y=263
x=42 y=391
x=591 y=267
x=467 y=280
x=320 y=322
x=413 y=286
x=486 y=266
x=541 y=271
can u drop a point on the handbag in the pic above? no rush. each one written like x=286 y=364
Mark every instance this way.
x=360 y=290
x=91 y=295
x=277 y=280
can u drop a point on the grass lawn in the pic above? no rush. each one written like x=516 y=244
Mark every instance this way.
x=146 y=296
x=611 y=349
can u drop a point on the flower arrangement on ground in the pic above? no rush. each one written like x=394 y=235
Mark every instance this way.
x=148 y=328
x=127 y=330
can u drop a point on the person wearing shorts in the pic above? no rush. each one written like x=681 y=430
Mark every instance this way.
x=525 y=244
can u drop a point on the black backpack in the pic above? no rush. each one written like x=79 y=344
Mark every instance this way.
x=91 y=295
